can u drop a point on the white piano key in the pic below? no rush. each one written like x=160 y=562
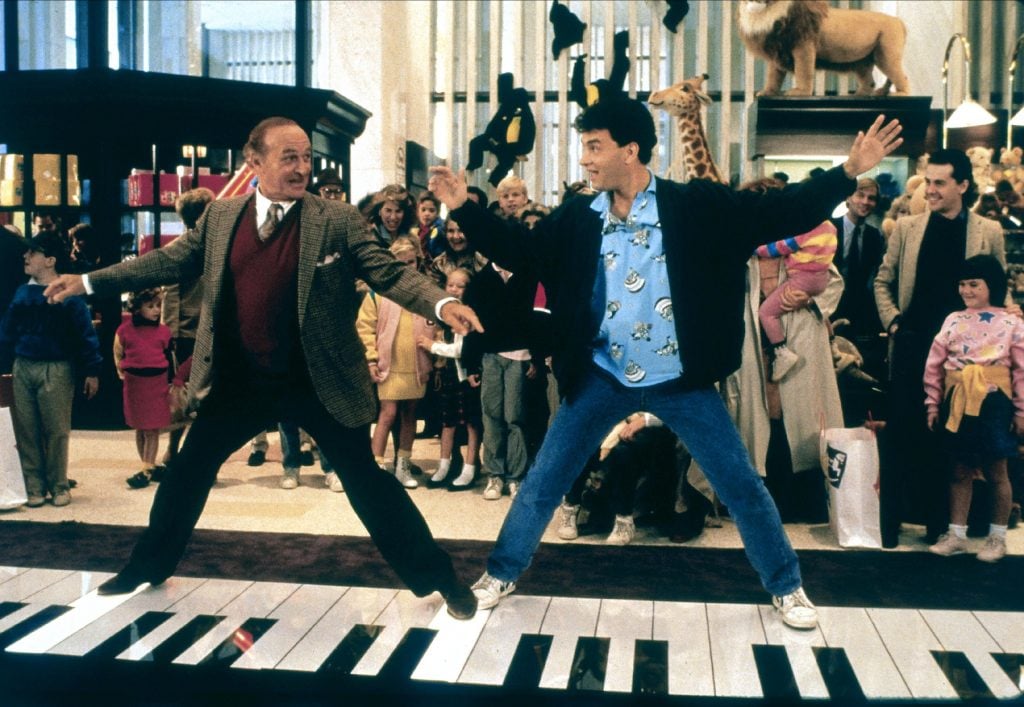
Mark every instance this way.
x=405 y=611
x=735 y=629
x=852 y=630
x=961 y=631
x=685 y=626
x=799 y=650
x=359 y=605
x=71 y=588
x=447 y=654
x=491 y=659
x=256 y=602
x=7 y=573
x=25 y=584
x=1006 y=627
x=84 y=611
x=157 y=599
x=623 y=621
x=910 y=642
x=567 y=619
x=295 y=617
x=207 y=599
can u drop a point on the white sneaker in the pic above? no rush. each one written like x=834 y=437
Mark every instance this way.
x=948 y=545
x=494 y=487
x=489 y=590
x=796 y=610
x=332 y=482
x=567 y=529
x=784 y=361
x=994 y=550
x=623 y=532
x=290 y=479
x=403 y=472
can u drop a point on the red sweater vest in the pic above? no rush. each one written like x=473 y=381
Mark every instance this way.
x=265 y=280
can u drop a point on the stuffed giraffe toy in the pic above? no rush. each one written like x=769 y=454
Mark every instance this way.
x=684 y=101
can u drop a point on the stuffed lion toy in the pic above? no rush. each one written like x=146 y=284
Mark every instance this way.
x=799 y=36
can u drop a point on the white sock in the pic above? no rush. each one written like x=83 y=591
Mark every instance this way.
x=466 y=477
x=998 y=531
x=442 y=470
x=958 y=531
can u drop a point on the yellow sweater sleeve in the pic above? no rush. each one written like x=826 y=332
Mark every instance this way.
x=366 y=326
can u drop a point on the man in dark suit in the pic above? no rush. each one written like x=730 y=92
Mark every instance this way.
x=646 y=284
x=277 y=341
x=858 y=255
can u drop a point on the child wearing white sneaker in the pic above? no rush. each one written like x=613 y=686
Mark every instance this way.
x=459 y=396
x=808 y=258
x=974 y=385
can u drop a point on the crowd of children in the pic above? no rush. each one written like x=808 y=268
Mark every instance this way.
x=482 y=387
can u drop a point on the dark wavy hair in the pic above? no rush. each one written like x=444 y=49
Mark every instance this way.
x=989 y=269
x=962 y=171
x=626 y=119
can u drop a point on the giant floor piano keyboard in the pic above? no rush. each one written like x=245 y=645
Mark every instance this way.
x=547 y=644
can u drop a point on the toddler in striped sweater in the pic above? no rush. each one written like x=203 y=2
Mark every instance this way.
x=808 y=257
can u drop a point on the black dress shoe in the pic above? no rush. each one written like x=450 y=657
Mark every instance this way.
x=156 y=474
x=257 y=458
x=139 y=480
x=461 y=602
x=125 y=582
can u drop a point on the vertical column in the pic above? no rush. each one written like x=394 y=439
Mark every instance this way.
x=472 y=49
x=540 y=52
x=725 y=124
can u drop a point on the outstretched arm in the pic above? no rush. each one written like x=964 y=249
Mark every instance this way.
x=870 y=147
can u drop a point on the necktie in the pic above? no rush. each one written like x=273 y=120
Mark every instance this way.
x=853 y=257
x=270 y=223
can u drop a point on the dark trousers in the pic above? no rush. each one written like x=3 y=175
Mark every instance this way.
x=914 y=474
x=229 y=418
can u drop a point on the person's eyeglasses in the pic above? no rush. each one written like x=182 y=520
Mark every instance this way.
x=331 y=191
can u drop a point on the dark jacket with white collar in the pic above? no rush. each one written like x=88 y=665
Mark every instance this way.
x=710 y=231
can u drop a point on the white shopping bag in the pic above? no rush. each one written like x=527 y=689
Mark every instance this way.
x=850 y=461
x=12 y=481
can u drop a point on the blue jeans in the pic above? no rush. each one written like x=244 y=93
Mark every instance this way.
x=700 y=420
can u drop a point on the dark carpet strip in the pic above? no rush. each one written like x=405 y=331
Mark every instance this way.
x=665 y=573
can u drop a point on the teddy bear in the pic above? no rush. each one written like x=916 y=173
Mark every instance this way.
x=981 y=166
x=1010 y=168
x=510 y=134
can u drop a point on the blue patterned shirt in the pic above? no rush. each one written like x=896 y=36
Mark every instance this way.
x=637 y=339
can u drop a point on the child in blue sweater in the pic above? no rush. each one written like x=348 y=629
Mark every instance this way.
x=46 y=345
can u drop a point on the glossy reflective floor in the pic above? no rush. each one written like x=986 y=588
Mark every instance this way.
x=224 y=641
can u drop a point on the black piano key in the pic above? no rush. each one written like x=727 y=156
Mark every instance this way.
x=9 y=607
x=838 y=675
x=182 y=639
x=235 y=645
x=407 y=654
x=1011 y=663
x=38 y=620
x=589 y=664
x=650 y=667
x=528 y=662
x=962 y=675
x=775 y=673
x=123 y=639
x=351 y=650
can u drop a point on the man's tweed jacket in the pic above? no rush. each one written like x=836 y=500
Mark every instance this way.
x=335 y=247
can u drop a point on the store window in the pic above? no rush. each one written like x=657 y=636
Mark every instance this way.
x=47 y=35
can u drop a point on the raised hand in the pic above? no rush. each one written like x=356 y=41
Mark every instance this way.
x=870 y=147
x=448 y=186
